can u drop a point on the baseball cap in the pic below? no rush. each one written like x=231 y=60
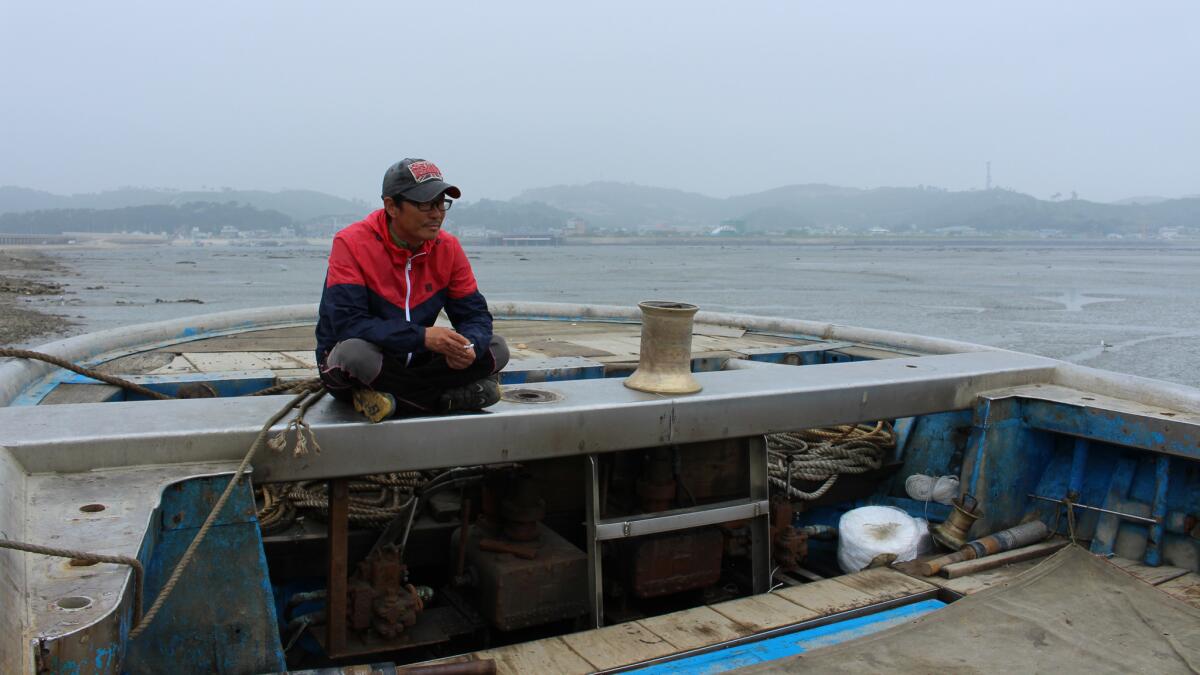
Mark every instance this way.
x=416 y=180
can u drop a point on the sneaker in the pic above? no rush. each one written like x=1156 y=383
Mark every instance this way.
x=376 y=406
x=475 y=396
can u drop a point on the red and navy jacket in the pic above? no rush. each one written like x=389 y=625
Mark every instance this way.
x=385 y=294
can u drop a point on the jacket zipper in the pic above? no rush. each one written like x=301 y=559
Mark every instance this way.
x=407 y=295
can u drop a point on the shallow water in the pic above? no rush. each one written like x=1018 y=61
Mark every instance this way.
x=1128 y=309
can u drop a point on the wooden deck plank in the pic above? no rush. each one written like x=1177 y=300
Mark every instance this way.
x=763 y=612
x=308 y=358
x=826 y=597
x=1151 y=575
x=278 y=360
x=136 y=364
x=623 y=346
x=885 y=584
x=695 y=627
x=79 y=393
x=290 y=332
x=618 y=645
x=210 y=362
x=284 y=374
x=718 y=330
x=1186 y=588
x=234 y=343
x=528 y=328
x=555 y=347
x=551 y=655
x=177 y=365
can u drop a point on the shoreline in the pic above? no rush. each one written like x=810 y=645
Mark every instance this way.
x=24 y=272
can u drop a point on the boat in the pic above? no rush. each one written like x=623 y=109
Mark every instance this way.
x=581 y=525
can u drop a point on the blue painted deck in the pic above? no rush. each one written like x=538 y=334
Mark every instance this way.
x=799 y=642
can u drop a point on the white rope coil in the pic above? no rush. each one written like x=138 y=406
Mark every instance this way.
x=942 y=489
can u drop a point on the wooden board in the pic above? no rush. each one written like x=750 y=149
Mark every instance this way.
x=694 y=627
x=542 y=656
x=1186 y=588
x=137 y=364
x=1030 y=552
x=1151 y=575
x=210 y=362
x=308 y=358
x=177 y=364
x=827 y=597
x=79 y=393
x=763 y=612
x=283 y=374
x=244 y=344
x=555 y=347
x=981 y=580
x=718 y=330
x=279 y=360
x=884 y=584
x=618 y=645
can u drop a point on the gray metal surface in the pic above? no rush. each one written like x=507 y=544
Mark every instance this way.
x=681 y=519
x=107 y=512
x=593 y=416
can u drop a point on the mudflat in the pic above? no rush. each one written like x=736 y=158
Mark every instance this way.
x=25 y=273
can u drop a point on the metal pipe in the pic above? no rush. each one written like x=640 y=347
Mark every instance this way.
x=1130 y=516
x=1162 y=477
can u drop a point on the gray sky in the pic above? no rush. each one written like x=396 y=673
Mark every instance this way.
x=715 y=97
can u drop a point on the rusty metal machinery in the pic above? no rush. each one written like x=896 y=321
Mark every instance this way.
x=379 y=599
x=524 y=574
x=673 y=562
x=788 y=547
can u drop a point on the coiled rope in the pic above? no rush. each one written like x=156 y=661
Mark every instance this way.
x=374 y=501
x=940 y=489
x=825 y=454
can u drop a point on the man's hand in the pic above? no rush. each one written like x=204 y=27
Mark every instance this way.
x=458 y=350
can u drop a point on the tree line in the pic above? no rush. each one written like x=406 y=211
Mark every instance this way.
x=171 y=218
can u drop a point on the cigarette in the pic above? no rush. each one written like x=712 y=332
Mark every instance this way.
x=469 y=346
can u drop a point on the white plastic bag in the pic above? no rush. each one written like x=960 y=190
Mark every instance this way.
x=869 y=531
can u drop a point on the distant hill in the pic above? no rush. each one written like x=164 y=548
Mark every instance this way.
x=617 y=205
x=1142 y=199
x=527 y=217
x=172 y=218
x=626 y=205
x=613 y=206
x=299 y=205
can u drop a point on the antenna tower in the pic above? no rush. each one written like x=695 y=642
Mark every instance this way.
x=989 y=175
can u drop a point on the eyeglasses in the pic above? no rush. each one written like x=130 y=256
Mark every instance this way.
x=442 y=204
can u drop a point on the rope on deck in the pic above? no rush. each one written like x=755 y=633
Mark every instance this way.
x=292 y=387
x=825 y=454
x=86 y=372
x=259 y=441
x=85 y=557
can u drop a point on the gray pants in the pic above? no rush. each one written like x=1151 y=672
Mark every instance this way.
x=418 y=383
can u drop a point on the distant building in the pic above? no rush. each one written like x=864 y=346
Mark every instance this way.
x=957 y=230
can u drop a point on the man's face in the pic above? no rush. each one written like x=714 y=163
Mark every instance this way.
x=411 y=224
